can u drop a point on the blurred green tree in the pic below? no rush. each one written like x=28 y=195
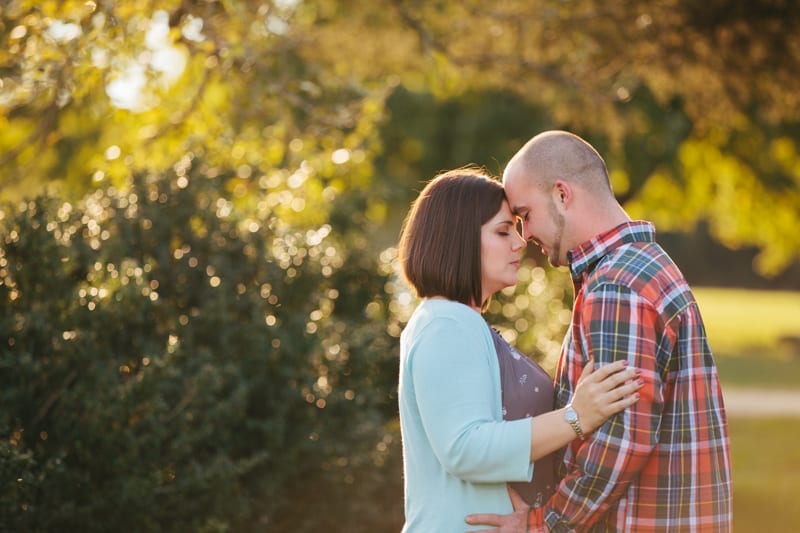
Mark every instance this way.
x=202 y=314
x=695 y=106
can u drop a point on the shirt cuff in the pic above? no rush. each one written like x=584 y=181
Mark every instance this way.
x=554 y=522
x=536 y=520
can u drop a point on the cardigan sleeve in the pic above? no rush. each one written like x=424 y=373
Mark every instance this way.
x=456 y=386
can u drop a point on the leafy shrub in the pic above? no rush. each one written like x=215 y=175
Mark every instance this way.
x=178 y=359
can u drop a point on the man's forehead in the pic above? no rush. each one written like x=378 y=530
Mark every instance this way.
x=519 y=209
x=518 y=199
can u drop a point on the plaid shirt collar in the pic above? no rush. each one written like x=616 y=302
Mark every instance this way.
x=583 y=258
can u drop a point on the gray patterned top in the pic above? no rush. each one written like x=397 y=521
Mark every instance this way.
x=527 y=391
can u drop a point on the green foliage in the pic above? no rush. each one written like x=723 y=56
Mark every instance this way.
x=233 y=82
x=213 y=347
x=694 y=106
x=174 y=362
x=534 y=315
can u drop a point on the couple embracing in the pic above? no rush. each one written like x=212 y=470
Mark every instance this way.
x=631 y=436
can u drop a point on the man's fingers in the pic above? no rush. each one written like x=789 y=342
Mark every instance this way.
x=516 y=500
x=486 y=519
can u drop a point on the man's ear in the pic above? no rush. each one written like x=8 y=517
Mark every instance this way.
x=562 y=194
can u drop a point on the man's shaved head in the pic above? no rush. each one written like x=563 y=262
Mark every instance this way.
x=560 y=155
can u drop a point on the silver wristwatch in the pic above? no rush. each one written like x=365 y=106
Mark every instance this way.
x=571 y=416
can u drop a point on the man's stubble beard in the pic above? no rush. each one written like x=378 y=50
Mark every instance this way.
x=558 y=219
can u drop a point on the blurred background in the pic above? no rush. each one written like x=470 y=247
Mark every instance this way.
x=200 y=203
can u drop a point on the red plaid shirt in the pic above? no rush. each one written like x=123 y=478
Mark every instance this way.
x=664 y=463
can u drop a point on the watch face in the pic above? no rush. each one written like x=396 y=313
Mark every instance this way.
x=570 y=415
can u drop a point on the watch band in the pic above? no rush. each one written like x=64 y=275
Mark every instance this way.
x=571 y=416
x=577 y=427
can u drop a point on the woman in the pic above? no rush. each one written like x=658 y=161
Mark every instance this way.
x=458 y=379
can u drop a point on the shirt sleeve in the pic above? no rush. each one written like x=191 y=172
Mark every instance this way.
x=615 y=324
x=456 y=392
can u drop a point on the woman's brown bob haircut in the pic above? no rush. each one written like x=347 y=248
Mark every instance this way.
x=440 y=244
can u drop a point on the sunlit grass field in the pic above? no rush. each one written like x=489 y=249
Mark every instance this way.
x=755 y=336
x=748 y=323
x=766 y=474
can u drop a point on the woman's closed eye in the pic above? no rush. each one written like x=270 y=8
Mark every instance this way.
x=506 y=229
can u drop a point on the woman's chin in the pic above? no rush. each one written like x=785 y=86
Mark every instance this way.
x=511 y=283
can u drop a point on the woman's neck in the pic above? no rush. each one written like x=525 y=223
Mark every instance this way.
x=477 y=308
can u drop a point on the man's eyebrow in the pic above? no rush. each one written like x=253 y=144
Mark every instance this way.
x=518 y=210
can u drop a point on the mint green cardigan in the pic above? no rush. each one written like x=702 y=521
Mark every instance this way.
x=458 y=453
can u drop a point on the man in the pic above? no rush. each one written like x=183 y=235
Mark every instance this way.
x=664 y=463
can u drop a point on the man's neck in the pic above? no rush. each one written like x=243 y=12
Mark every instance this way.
x=597 y=221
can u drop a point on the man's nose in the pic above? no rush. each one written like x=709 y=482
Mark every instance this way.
x=520 y=242
x=526 y=235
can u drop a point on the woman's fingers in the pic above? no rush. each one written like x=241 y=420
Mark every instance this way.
x=609 y=377
x=623 y=396
x=587 y=371
x=605 y=391
x=623 y=403
x=620 y=378
x=606 y=371
x=627 y=389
